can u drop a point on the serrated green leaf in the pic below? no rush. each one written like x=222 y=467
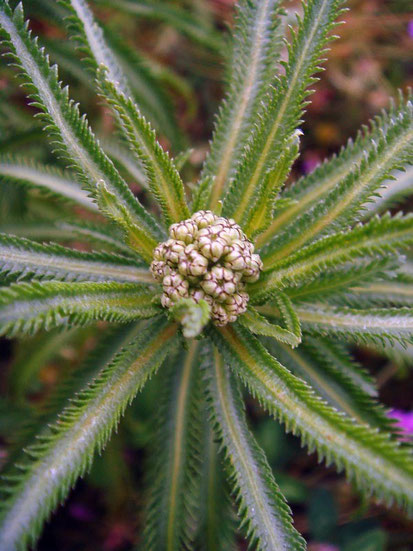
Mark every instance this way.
x=125 y=68
x=163 y=178
x=26 y=308
x=175 y=458
x=70 y=230
x=32 y=355
x=380 y=237
x=124 y=160
x=314 y=187
x=341 y=392
x=396 y=292
x=146 y=83
x=65 y=452
x=376 y=464
x=392 y=149
x=261 y=326
x=283 y=108
x=385 y=325
x=393 y=192
x=263 y=512
x=47 y=179
x=257 y=45
x=334 y=285
x=217 y=519
x=259 y=213
x=191 y=26
x=342 y=361
x=70 y=131
x=21 y=257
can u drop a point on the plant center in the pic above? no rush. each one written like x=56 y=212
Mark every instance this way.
x=207 y=257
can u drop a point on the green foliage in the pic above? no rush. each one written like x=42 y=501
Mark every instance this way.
x=284 y=105
x=65 y=450
x=48 y=180
x=72 y=135
x=380 y=237
x=264 y=515
x=162 y=176
x=175 y=457
x=333 y=275
x=321 y=427
x=26 y=308
x=257 y=44
x=22 y=258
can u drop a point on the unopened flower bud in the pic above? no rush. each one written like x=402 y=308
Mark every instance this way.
x=207 y=258
x=183 y=231
x=204 y=218
x=254 y=266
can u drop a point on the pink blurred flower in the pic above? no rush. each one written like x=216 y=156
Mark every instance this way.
x=404 y=422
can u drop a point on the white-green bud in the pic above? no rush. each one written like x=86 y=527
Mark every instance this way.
x=204 y=218
x=207 y=258
x=252 y=271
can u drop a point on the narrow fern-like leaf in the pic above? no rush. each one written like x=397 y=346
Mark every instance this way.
x=21 y=257
x=393 y=149
x=380 y=237
x=385 y=325
x=124 y=68
x=396 y=292
x=169 y=513
x=284 y=106
x=263 y=512
x=26 y=308
x=259 y=214
x=321 y=373
x=336 y=284
x=257 y=44
x=376 y=464
x=71 y=133
x=182 y=20
x=339 y=358
x=69 y=231
x=217 y=524
x=60 y=456
x=392 y=193
x=261 y=326
x=312 y=188
x=46 y=179
x=163 y=178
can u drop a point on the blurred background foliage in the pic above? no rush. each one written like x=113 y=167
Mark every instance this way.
x=176 y=50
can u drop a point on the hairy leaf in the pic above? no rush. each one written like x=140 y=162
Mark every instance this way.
x=264 y=514
x=284 y=105
x=26 y=308
x=191 y=26
x=46 y=179
x=385 y=325
x=378 y=238
x=21 y=257
x=334 y=386
x=71 y=132
x=310 y=189
x=375 y=463
x=257 y=44
x=392 y=149
x=260 y=325
x=175 y=458
x=70 y=230
x=65 y=452
x=162 y=176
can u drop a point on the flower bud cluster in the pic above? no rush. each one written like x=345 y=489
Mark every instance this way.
x=207 y=257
